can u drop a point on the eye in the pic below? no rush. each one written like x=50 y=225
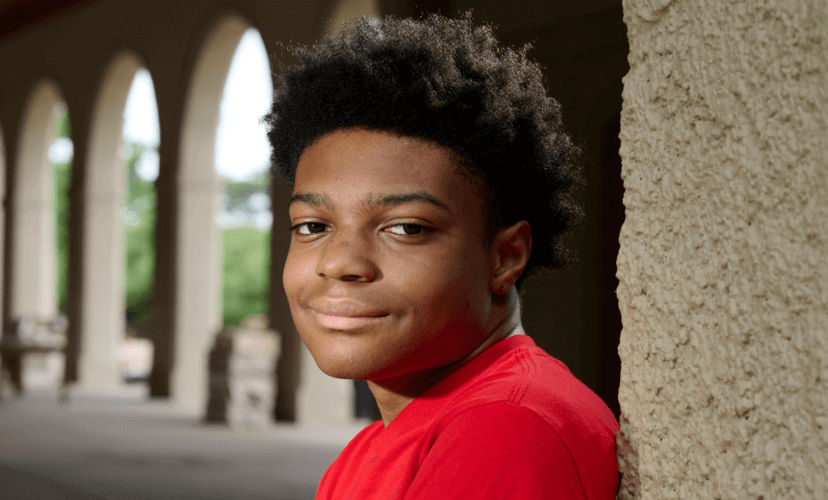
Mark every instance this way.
x=407 y=229
x=309 y=228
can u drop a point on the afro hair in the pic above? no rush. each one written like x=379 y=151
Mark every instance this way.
x=446 y=81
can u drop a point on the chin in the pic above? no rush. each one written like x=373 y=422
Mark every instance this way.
x=340 y=368
x=341 y=372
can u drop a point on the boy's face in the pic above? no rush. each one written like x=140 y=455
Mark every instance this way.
x=388 y=272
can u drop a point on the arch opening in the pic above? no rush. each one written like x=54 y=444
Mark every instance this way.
x=242 y=161
x=141 y=139
x=179 y=368
x=119 y=217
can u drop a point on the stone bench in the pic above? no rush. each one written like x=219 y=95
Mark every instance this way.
x=28 y=335
x=242 y=376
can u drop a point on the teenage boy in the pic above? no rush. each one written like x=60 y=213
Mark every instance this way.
x=430 y=173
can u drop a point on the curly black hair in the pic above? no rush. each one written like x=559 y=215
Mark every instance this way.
x=446 y=81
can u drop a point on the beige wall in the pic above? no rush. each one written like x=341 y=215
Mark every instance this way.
x=724 y=252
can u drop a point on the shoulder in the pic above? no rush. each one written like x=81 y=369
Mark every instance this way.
x=506 y=427
x=529 y=378
x=532 y=418
x=510 y=427
x=498 y=450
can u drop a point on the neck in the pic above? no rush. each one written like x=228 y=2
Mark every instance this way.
x=394 y=395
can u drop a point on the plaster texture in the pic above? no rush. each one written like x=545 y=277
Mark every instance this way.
x=723 y=265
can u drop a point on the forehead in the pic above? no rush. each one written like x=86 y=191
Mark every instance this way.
x=376 y=162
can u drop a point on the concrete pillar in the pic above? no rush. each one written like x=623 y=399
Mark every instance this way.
x=723 y=265
x=305 y=394
x=288 y=368
x=32 y=199
x=2 y=221
x=323 y=400
x=198 y=244
x=33 y=288
x=102 y=310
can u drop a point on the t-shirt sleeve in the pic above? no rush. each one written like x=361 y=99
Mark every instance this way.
x=497 y=451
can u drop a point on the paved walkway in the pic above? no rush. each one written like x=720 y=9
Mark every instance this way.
x=123 y=446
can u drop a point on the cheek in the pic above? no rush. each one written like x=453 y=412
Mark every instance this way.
x=297 y=271
x=448 y=288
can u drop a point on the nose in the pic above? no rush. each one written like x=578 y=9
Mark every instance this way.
x=347 y=256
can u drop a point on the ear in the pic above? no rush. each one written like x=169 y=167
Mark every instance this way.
x=511 y=247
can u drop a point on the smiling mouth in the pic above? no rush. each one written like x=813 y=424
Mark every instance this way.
x=339 y=322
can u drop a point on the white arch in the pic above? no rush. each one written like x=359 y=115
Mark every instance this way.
x=33 y=289
x=33 y=285
x=198 y=290
x=102 y=303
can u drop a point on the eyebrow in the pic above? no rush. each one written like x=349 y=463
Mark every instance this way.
x=392 y=199
x=372 y=200
x=312 y=199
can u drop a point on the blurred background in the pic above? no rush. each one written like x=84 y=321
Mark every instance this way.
x=143 y=241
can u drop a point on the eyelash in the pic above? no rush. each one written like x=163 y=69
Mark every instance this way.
x=295 y=228
x=403 y=224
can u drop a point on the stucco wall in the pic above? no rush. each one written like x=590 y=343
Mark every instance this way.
x=723 y=265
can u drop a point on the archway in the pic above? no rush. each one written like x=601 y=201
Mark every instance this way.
x=2 y=218
x=142 y=137
x=33 y=284
x=102 y=318
x=242 y=162
x=197 y=294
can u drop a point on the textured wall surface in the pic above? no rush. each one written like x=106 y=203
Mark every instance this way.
x=723 y=265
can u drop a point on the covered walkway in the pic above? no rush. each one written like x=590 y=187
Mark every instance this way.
x=122 y=445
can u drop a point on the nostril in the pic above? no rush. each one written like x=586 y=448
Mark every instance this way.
x=348 y=260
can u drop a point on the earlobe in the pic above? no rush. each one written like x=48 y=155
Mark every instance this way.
x=512 y=246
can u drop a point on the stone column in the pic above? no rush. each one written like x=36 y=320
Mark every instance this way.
x=723 y=265
x=301 y=385
x=2 y=223
x=197 y=299
x=323 y=400
x=33 y=288
x=198 y=290
x=288 y=371
x=102 y=310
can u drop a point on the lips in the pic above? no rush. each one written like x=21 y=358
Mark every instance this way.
x=338 y=314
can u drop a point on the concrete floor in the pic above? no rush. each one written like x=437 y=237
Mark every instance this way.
x=123 y=446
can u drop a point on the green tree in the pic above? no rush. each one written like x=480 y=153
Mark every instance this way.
x=246 y=273
x=62 y=178
x=139 y=218
x=238 y=192
x=246 y=249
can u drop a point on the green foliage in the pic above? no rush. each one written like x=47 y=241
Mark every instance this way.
x=239 y=192
x=246 y=249
x=62 y=127
x=246 y=273
x=139 y=215
x=63 y=178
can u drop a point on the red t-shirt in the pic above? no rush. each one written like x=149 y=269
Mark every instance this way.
x=511 y=423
